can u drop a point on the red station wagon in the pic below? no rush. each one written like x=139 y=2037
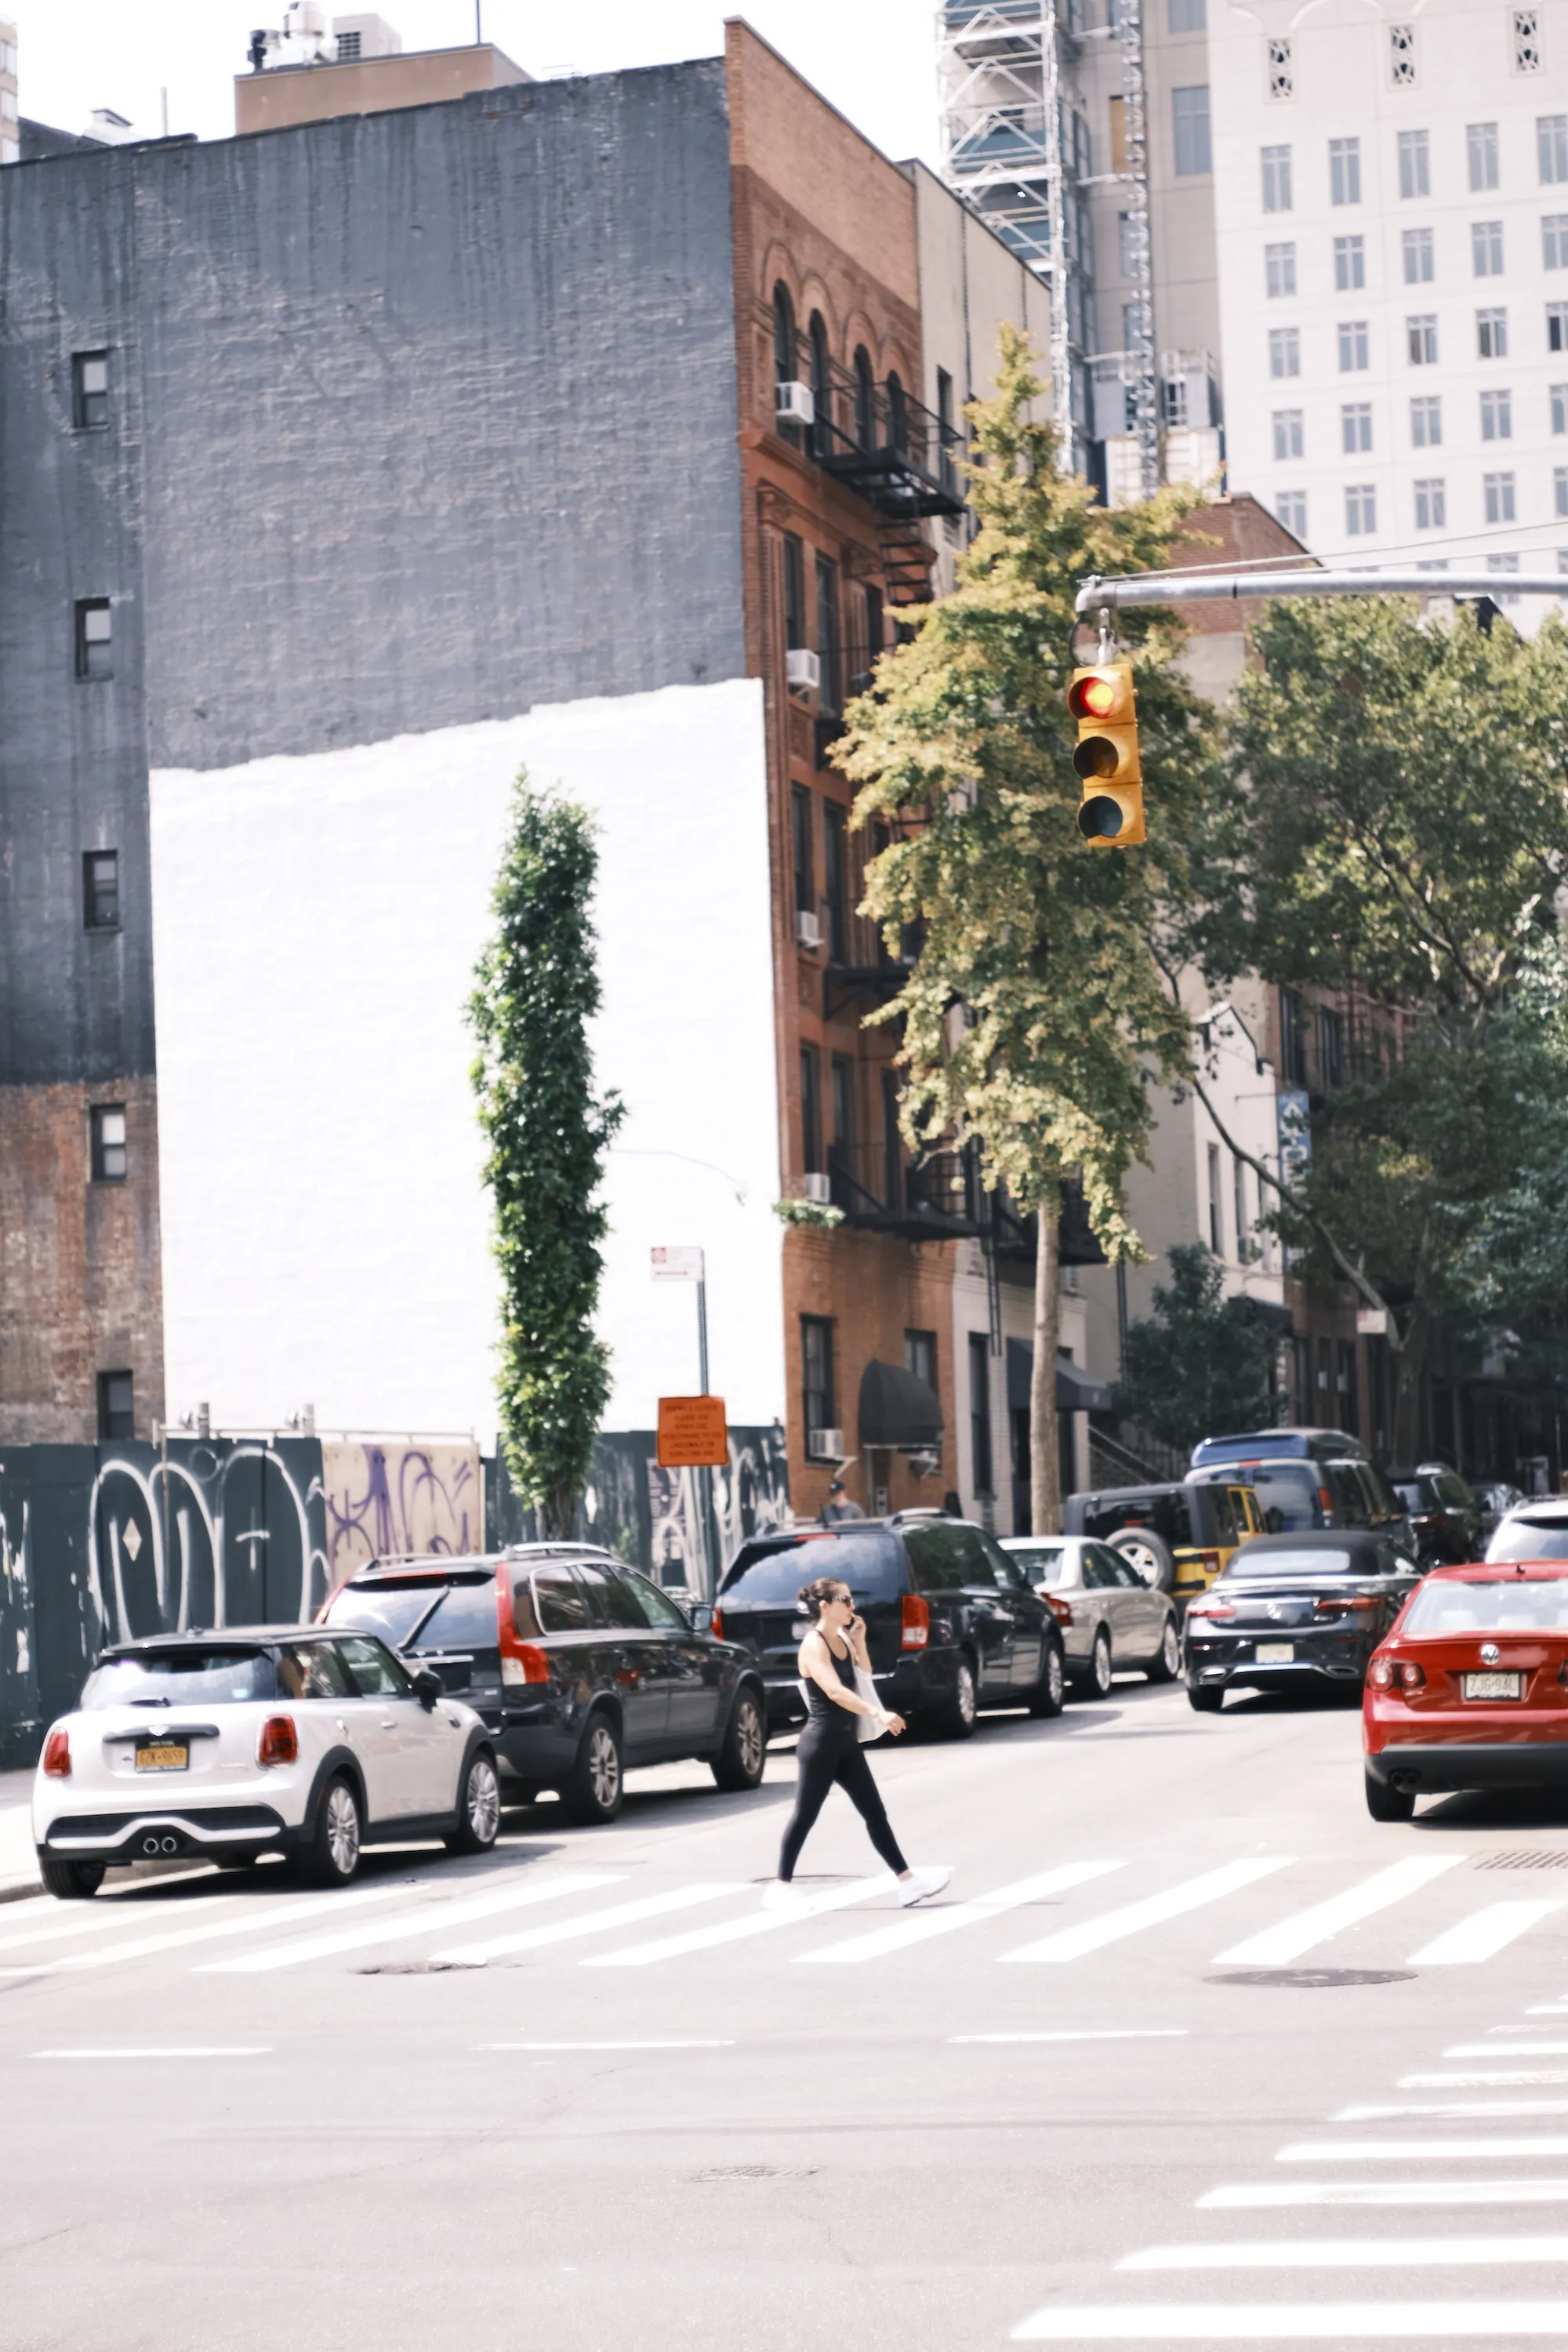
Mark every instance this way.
x=1469 y=1690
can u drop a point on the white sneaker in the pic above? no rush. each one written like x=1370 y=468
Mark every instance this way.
x=920 y=1884
x=779 y=1895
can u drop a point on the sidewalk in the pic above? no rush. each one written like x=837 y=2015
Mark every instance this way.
x=18 y=1863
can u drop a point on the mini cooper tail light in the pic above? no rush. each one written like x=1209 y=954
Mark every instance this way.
x=58 y=1756
x=525 y=1663
x=915 y=1626
x=717 y=1628
x=280 y=1742
x=1061 y=1609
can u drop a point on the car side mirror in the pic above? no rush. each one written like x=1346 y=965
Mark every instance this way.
x=428 y=1686
x=701 y=1615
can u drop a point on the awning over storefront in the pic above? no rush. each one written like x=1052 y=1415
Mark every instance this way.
x=1076 y=1390
x=897 y=1410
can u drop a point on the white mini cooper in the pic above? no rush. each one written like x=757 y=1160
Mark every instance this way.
x=261 y=1739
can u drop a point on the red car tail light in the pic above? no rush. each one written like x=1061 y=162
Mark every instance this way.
x=280 y=1742
x=716 y=1628
x=1061 y=1609
x=58 y=1756
x=914 y=1621
x=1380 y=1673
x=1411 y=1675
x=525 y=1661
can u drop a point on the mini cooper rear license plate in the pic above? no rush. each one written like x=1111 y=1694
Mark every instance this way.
x=1275 y=1653
x=164 y=1758
x=1492 y=1685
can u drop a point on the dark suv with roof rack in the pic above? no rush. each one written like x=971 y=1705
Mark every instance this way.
x=578 y=1666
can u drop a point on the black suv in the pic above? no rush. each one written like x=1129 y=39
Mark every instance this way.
x=578 y=1666
x=1445 y=1516
x=952 y=1623
x=1307 y=1478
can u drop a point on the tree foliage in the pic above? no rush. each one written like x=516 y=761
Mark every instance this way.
x=537 y=988
x=1202 y=1362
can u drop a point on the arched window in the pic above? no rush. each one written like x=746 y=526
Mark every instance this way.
x=897 y=416
x=821 y=382
x=787 y=366
x=865 y=398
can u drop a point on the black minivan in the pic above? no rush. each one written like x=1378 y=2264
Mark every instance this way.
x=951 y=1622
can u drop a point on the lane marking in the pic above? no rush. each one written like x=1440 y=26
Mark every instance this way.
x=921 y=1926
x=731 y=1931
x=1454 y=2111
x=1498 y=2077
x=1508 y=2049
x=561 y=1931
x=1414 y=2151
x=1252 y=2194
x=1112 y=1927
x=110 y=1916
x=1306 y=1929
x=1483 y=1934
x=434 y=1919
x=1347 y=2254
x=261 y=2051
x=1085 y=2033
x=1286 y=2323
x=1546 y=2008
x=603 y=2045
x=249 y=1916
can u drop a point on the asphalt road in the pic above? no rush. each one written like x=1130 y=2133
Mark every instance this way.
x=585 y=2093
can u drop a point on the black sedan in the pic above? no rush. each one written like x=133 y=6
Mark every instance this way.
x=578 y=1666
x=1308 y=1608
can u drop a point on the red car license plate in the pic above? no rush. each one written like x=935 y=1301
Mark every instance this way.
x=1493 y=1685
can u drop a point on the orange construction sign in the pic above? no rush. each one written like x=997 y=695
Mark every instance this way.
x=692 y=1433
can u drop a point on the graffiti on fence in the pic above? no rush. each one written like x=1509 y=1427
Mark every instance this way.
x=386 y=1500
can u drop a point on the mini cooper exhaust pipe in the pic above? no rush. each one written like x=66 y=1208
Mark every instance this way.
x=154 y=1845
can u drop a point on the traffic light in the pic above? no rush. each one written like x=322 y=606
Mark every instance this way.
x=1110 y=815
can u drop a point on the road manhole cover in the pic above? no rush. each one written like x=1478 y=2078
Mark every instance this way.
x=1540 y=1857
x=421 y=1969
x=1312 y=1979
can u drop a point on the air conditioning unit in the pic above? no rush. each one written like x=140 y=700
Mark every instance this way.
x=802 y=669
x=793 y=403
x=807 y=928
x=825 y=1445
x=818 y=1189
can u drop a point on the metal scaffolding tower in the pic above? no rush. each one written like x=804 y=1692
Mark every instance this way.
x=1143 y=386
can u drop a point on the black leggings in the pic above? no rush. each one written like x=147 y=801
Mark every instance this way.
x=825 y=1755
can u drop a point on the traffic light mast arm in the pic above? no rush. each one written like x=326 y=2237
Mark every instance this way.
x=1197 y=587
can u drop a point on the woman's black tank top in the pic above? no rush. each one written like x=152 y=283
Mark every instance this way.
x=819 y=1707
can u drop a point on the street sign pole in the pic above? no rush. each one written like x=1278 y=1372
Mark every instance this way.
x=690 y=1264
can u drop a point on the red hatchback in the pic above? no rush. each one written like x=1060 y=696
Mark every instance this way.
x=1469 y=1690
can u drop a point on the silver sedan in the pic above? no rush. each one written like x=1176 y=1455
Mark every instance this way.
x=1109 y=1618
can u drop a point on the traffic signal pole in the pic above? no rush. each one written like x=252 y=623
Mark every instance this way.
x=1198 y=587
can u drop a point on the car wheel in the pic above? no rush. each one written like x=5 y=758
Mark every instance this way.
x=1388 y=1804
x=1099 y=1667
x=478 y=1808
x=1150 y=1554
x=955 y=1717
x=591 y=1790
x=331 y=1857
x=1205 y=1702
x=1167 y=1665
x=1050 y=1694
x=740 y=1762
x=73 y=1882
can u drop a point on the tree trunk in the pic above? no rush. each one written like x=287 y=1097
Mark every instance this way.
x=1045 y=1473
x=1409 y=1367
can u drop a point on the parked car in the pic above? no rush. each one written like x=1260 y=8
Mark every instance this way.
x=1307 y=1478
x=1497 y=1498
x=579 y=1667
x=1294 y=1609
x=1109 y=1617
x=1446 y=1517
x=260 y=1739
x=1466 y=1692
x=1177 y=1534
x=952 y=1624
x=1536 y=1529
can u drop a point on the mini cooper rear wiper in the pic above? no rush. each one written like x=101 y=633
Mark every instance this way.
x=152 y=1702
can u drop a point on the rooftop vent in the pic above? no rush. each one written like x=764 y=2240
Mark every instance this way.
x=364 y=36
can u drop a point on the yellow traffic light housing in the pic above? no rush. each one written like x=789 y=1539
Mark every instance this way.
x=1110 y=815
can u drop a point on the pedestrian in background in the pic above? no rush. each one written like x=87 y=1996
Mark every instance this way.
x=840 y=1505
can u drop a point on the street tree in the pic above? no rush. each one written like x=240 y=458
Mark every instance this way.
x=537 y=989
x=1200 y=1362
x=1034 y=1021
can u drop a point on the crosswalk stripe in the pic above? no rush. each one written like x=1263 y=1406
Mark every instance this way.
x=1112 y=1927
x=1454 y=2111
x=593 y=1923
x=1495 y=2078
x=1508 y=2049
x=107 y=1918
x=246 y=1917
x=1481 y=1936
x=1290 y=1938
x=433 y=1918
x=1348 y=2255
x=924 y=1924
x=1253 y=2194
x=1286 y=2323
x=731 y=1931
x=1417 y=2151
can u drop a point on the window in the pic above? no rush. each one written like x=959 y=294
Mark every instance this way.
x=101 y=890
x=817 y=1372
x=898 y=415
x=94 y=642
x=116 y=1405
x=1415 y=168
x=1280 y=269
x=1491 y=334
x=1344 y=171
x=1415 y=244
x=836 y=881
x=1290 y=512
x=1284 y=351
x=1497 y=491
x=1559 y=490
x=919 y=1357
x=1238 y=1203
x=1402 y=55
x=1281 y=67
x=1526 y=40
x=804 y=863
x=1190 y=116
x=1350 y=263
x=1126 y=248
x=980 y=1413
x=829 y=690
x=1504 y=563
x=892 y=1144
x=90 y=391
x=787 y=362
x=1276 y=162
x=811 y=1110
x=945 y=435
x=1558 y=396
x=107 y=1125
x=1421 y=341
x=1481 y=152
x=1361 y=509
x=1330 y=1047
x=1497 y=417
x=1292 y=1039
x=1431 y=507
x=794 y=592
x=1486 y=249
x=1288 y=433
x=865 y=398
x=843 y=1153
x=1189 y=15
x=1426 y=423
x=1355 y=426
x=1353 y=356
x=1551 y=148
x=1554 y=240
x=1557 y=326
x=1217 y=1229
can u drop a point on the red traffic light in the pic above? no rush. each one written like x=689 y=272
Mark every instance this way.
x=1095 y=695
